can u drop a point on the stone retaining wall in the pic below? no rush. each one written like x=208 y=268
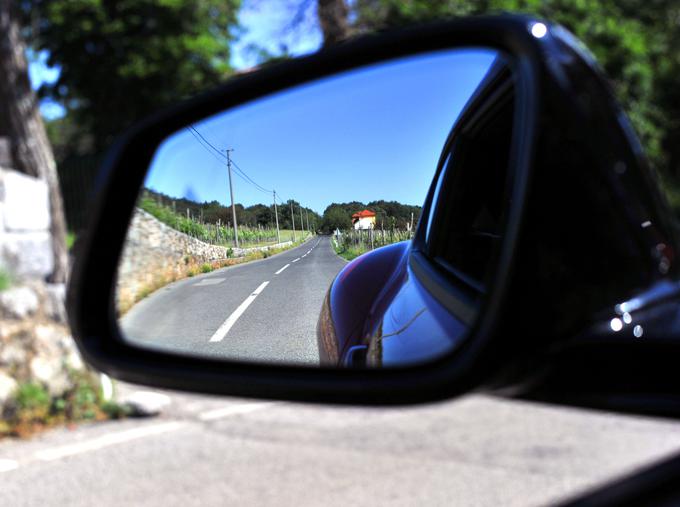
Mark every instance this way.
x=156 y=254
x=35 y=343
x=25 y=244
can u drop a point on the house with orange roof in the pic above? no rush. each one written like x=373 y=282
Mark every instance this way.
x=363 y=220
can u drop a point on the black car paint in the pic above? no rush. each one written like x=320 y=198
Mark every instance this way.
x=597 y=249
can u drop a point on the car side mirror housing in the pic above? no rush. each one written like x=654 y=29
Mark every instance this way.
x=539 y=215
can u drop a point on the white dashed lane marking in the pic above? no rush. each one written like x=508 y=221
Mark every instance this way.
x=121 y=437
x=106 y=441
x=219 y=413
x=284 y=267
x=231 y=320
x=297 y=259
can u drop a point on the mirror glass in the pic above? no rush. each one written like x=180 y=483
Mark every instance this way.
x=246 y=219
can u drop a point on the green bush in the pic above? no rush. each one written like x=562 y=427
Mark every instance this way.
x=32 y=396
x=114 y=410
x=206 y=268
x=5 y=280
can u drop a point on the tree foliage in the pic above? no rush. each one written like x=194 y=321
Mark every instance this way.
x=388 y=215
x=637 y=42
x=123 y=59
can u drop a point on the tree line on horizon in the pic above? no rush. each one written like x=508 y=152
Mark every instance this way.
x=389 y=214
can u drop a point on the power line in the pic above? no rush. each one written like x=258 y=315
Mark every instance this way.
x=206 y=148
x=260 y=187
x=216 y=150
x=219 y=152
x=223 y=160
x=229 y=162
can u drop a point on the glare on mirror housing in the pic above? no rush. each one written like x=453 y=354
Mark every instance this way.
x=243 y=242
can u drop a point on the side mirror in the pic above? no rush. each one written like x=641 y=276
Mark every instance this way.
x=448 y=154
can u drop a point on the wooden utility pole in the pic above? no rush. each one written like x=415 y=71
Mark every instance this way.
x=292 y=218
x=302 y=222
x=276 y=214
x=21 y=122
x=231 y=192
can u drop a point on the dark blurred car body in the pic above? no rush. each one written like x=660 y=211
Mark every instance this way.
x=595 y=257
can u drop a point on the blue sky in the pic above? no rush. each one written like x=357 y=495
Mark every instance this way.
x=270 y=25
x=373 y=133
x=366 y=136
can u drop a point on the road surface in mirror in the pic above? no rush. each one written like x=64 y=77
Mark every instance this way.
x=246 y=218
x=258 y=310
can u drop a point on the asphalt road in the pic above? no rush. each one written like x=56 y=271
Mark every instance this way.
x=207 y=451
x=264 y=310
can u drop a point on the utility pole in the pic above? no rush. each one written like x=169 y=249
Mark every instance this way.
x=302 y=222
x=292 y=218
x=231 y=191
x=276 y=214
x=307 y=215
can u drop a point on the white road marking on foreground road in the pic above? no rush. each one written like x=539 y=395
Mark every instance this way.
x=209 y=281
x=8 y=464
x=284 y=267
x=244 y=408
x=297 y=259
x=231 y=320
x=107 y=440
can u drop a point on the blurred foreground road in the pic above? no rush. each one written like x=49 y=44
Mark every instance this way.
x=226 y=451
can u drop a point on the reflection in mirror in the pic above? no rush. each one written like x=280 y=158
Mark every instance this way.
x=246 y=218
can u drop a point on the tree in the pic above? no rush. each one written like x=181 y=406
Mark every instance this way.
x=334 y=20
x=335 y=217
x=21 y=122
x=637 y=42
x=122 y=60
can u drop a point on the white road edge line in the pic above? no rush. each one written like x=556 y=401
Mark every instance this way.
x=107 y=440
x=284 y=267
x=297 y=259
x=8 y=464
x=231 y=320
x=245 y=408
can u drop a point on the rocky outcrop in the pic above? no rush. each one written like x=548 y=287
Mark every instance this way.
x=35 y=343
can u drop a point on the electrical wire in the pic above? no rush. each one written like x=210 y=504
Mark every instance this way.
x=237 y=169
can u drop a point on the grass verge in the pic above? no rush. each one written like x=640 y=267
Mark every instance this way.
x=348 y=252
